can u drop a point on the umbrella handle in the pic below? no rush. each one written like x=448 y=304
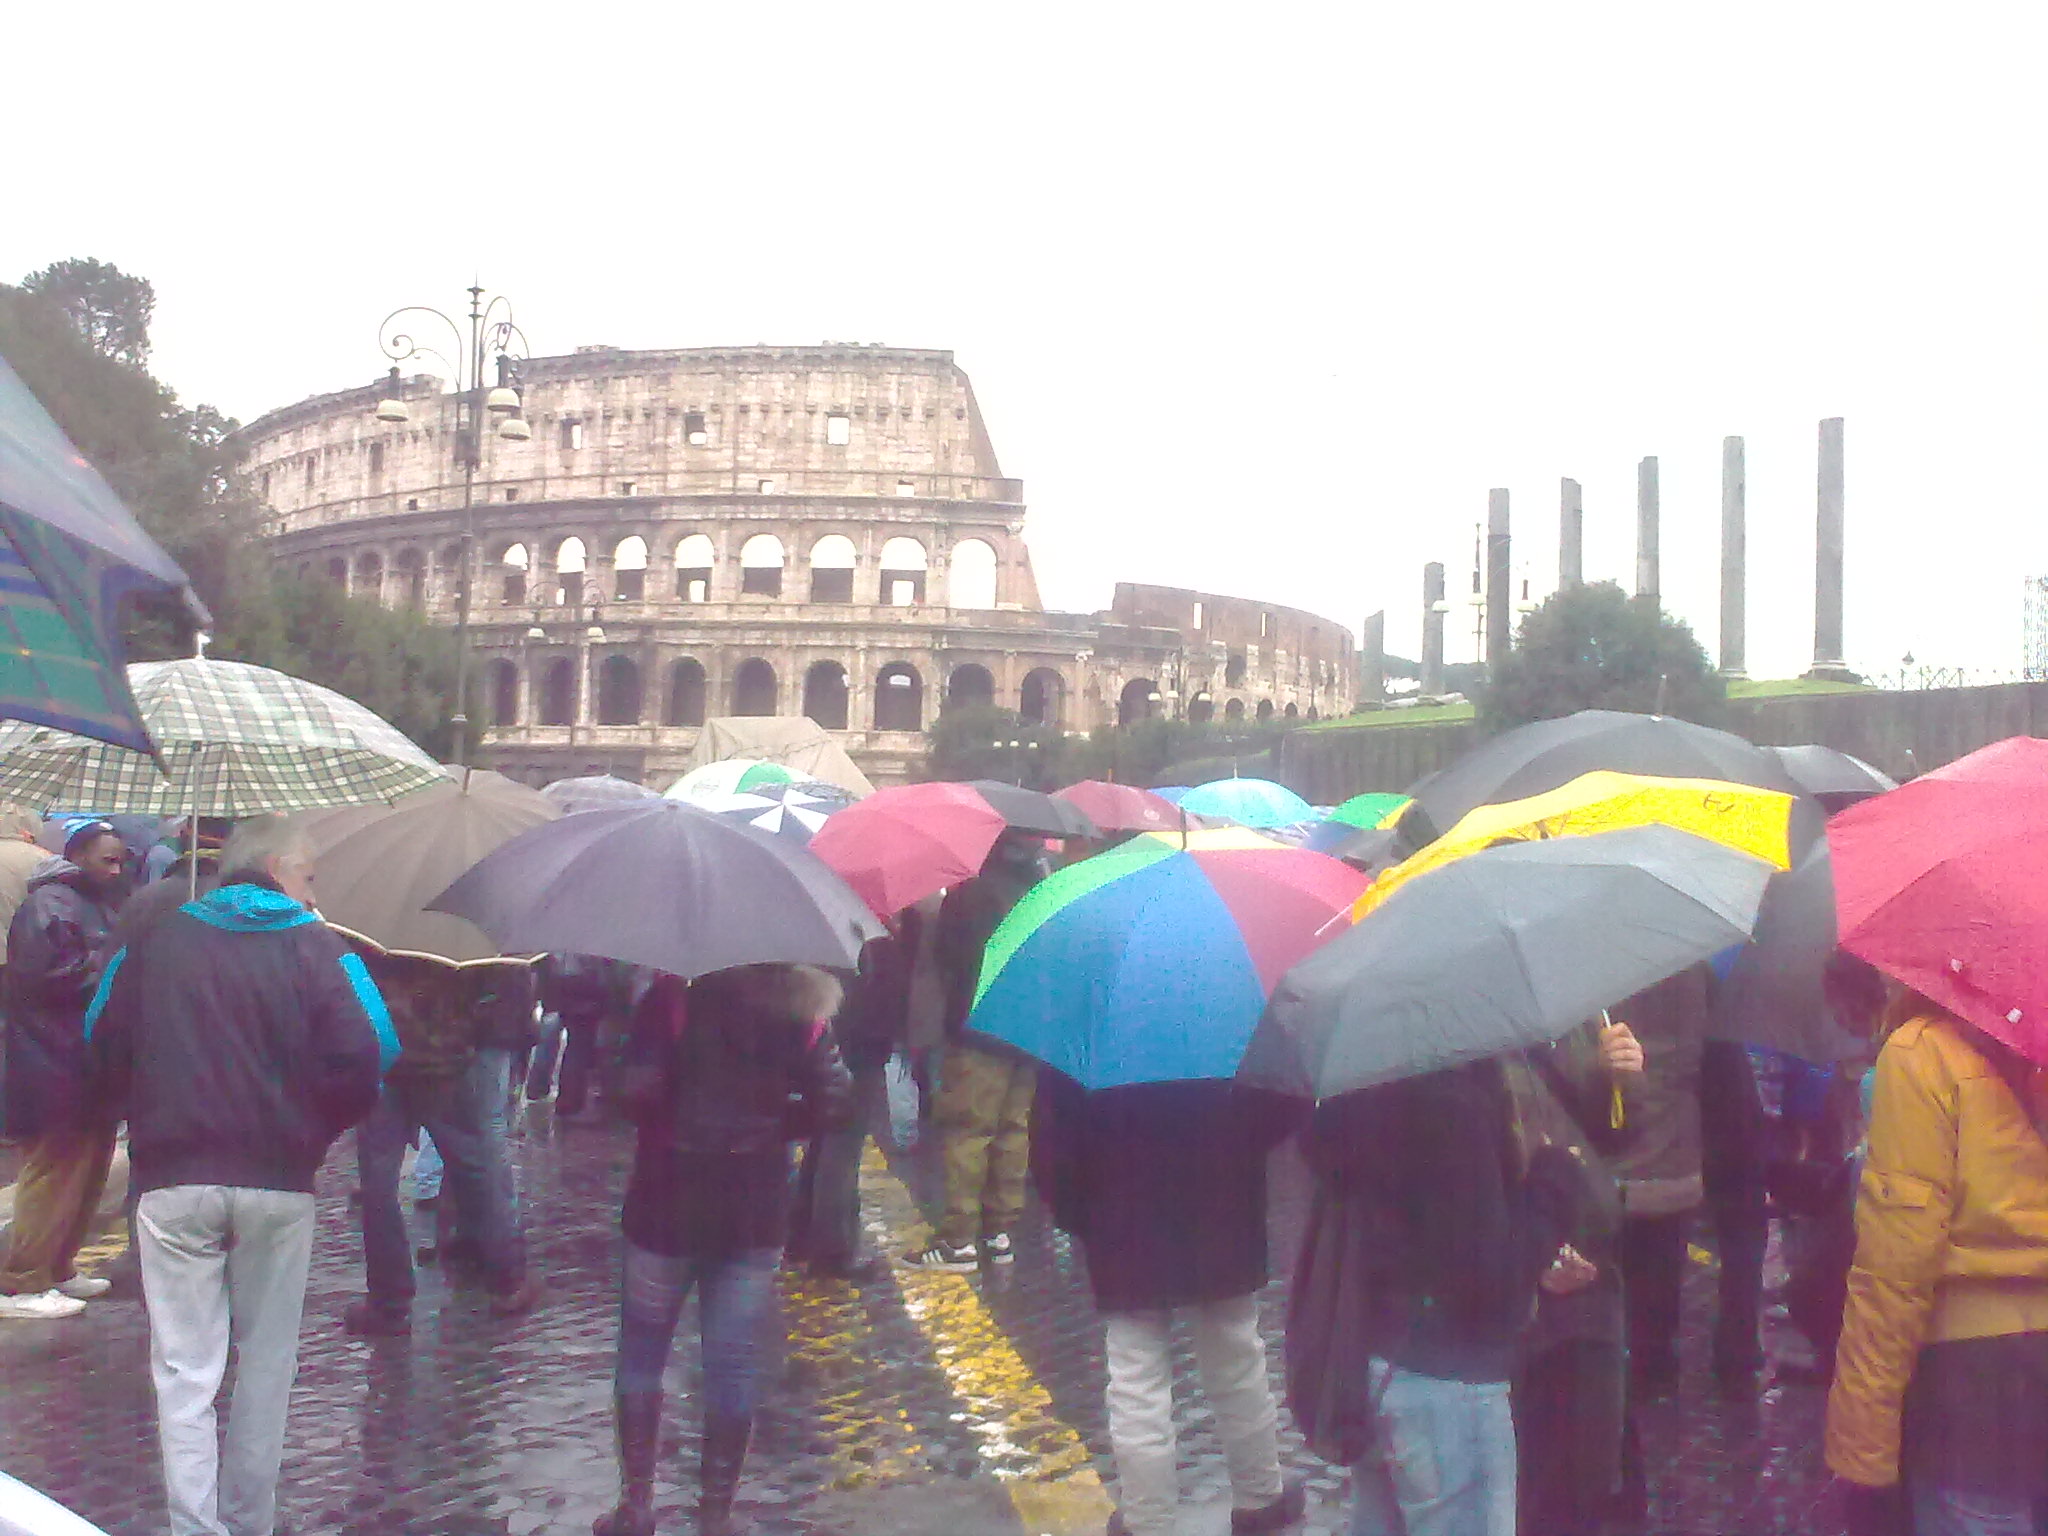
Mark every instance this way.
x=1617 y=1113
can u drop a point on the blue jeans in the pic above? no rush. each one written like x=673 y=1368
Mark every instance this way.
x=733 y=1294
x=448 y=1110
x=1959 y=1512
x=1445 y=1459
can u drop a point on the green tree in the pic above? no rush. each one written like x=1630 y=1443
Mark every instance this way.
x=110 y=308
x=77 y=332
x=1595 y=647
x=974 y=743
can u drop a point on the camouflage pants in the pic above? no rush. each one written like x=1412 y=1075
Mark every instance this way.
x=983 y=1114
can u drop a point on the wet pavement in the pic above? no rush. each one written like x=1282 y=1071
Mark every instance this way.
x=941 y=1404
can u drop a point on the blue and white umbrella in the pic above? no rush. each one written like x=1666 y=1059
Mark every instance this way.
x=790 y=810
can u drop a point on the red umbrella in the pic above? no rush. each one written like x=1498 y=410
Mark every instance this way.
x=900 y=845
x=1120 y=807
x=1943 y=885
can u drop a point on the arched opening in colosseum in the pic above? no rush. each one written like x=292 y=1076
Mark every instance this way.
x=753 y=685
x=618 y=691
x=971 y=575
x=1233 y=670
x=899 y=698
x=903 y=572
x=337 y=572
x=761 y=562
x=1291 y=713
x=1265 y=710
x=1138 y=701
x=685 y=693
x=1233 y=712
x=448 y=569
x=504 y=684
x=512 y=574
x=369 y=576
x=411 y=571
x=558 y=692
x=570 y=561
x=1041 y=698
x=629 y=570
x=832 y=561
x=970 y=687
x=825 y=694
x=1201 y=710
x=694 y=559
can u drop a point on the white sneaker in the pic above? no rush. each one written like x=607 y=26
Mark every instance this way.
x=84 y=1287
x=41 y=1307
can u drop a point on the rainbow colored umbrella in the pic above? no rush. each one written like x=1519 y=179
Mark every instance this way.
x=1371 y=810
x=1151 y=962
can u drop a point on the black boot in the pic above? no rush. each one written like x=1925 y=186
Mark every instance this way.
x=638 y=1417
x=725 y=1452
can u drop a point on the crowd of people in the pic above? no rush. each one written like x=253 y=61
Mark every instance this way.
x=1487 y=1294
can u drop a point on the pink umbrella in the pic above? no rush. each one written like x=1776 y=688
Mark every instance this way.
x=901 y=845
x=1120 y=807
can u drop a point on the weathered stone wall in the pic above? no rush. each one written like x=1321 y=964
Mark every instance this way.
x=818 y=530
x=1904 y=733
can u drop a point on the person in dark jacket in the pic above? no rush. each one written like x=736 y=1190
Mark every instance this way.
x=720 y=1075
x=55 y=948
x=982 y=1105
x=825 y=1223
x=578 y=993
x=1568 y=1393
x=443 y=1015
x=239 y=1038
x=1462 y=1226
x=1164 y=1187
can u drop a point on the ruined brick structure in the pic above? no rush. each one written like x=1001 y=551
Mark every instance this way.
x=751 y=531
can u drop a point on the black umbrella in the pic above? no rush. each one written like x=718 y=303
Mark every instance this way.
x=660 y=883
x=1371 y=849
x=1508 y=948
x=1772 y=994
x=1027 y=810
x=1836 y=779
x=1548 y=754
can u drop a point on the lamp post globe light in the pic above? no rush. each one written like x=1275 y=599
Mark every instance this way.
x=479 y=404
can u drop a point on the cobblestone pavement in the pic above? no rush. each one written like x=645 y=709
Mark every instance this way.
x=921 y=1405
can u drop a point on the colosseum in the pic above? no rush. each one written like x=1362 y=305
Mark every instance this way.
x=819 y=531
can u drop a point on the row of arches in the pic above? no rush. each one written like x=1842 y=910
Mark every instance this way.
x=764 y=562
x=1140 y=700
x=898 y=694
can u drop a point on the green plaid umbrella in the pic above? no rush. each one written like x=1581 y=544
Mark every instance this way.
x=235 y=740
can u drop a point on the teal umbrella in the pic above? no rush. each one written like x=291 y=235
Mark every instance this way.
x=70 y=556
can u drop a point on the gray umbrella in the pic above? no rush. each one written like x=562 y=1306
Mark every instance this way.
x=596 y=791
x=1836 y=777
x=1505 y=949
x=1772 y=994
x=663 y=884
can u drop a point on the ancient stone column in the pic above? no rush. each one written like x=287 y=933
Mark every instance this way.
x=1372 y=659
x=1734 y=557
x=1432 y=629
x=1500 y=611
x=1827 y=561
x=1571 y=536
x=1646 y=529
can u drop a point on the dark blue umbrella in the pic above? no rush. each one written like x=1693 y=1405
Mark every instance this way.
x=661 y=883
x=70 y=556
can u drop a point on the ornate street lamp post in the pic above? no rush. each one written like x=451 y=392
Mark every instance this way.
x=491 y=333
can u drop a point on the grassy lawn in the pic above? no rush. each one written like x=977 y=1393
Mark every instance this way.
x=1447 y=714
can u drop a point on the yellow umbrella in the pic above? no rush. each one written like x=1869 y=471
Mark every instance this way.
x=1754 y=821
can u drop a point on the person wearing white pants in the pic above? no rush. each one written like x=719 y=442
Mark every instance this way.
x=1164 y=1187
x=238 y=1037
x=221 y=1264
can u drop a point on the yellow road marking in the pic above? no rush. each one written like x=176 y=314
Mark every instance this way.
x=828 y=1329
x=1040 y=1460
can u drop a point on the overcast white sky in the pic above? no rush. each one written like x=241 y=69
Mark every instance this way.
x=1257 y=299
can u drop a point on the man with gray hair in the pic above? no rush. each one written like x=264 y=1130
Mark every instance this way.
x=239 y=1037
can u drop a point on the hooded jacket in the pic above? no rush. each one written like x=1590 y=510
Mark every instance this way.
x=239 y=1037
x=1660 y=1169
x=1951 y=1231
x=721 y=1074
x=55 y=947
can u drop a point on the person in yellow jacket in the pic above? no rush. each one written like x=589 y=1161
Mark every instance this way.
x=1938 y=1418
